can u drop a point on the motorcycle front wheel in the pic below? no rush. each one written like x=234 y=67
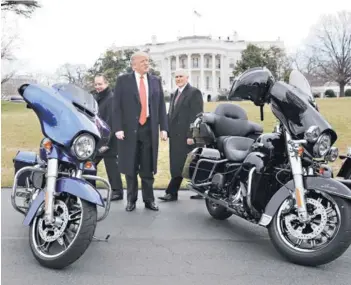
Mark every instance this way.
x=59 y=245
x=324 y=238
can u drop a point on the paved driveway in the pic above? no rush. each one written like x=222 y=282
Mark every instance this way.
x=181 y=244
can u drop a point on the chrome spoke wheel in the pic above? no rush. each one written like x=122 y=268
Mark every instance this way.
x=318 y=232
x=51 y=241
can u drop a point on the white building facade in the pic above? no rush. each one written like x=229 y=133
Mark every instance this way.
x=210 y=62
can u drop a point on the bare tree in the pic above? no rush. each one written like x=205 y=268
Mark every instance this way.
x=20 y=7
x=331 y=49
x=74 y=73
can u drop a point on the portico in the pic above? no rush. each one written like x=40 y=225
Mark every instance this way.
x=207 y=71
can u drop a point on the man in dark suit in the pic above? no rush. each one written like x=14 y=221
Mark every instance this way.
x=185 y=104
x=104 y=97
x=139 y=115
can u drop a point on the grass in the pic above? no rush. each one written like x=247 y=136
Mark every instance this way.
x=21 y=131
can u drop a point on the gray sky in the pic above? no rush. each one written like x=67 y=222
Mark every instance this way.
x=77 y=31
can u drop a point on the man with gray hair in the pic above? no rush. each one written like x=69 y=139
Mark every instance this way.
x=185 y=104
x=140 y=114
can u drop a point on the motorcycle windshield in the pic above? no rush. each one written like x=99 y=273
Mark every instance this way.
x=63 y=111
x=77 y=96
x=298 y=80
x=296 y=111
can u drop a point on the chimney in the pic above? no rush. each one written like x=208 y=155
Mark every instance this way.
x=153 y=40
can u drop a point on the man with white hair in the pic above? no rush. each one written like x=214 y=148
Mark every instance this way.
x=185 y=104
x=140 y=113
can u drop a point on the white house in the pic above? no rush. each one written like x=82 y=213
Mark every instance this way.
x=209 y=61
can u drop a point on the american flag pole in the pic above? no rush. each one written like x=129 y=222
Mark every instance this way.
x=195 y=13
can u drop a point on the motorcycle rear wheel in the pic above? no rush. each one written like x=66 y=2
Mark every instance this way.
x=324 y=239
x=69 y=240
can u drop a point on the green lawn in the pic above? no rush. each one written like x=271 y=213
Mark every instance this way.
x=21 y=131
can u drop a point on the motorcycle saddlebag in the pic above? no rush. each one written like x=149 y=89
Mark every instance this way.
x=23 y=159
x=201 y=164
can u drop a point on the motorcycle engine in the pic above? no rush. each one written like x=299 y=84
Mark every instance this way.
x=218 y=182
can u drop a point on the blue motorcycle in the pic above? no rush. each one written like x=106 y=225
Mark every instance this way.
x=54 y=189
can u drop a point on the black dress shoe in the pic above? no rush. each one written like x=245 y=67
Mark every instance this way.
x=168 y=198
x=115 y=196
x=151 y=206
x=130 y=206
x=196 y=197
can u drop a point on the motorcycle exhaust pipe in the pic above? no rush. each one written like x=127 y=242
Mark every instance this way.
x=219 y=202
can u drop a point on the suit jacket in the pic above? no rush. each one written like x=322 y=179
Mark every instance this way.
x=127 y=108
x=105 y=100
x=180 y=116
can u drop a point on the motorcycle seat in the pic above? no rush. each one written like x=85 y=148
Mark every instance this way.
x=236 y=149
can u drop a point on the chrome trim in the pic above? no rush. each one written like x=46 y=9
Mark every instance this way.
x=265 y=220
x=50 y=190
x=249 y=184
x=15 y=182
x=109 y=192
x=297 y=171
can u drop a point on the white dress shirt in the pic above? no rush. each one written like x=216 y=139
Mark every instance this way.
x=137 y=78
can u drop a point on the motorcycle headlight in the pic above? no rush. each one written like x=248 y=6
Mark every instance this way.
x=84 y=146
x=322 y=145
x=333 y=154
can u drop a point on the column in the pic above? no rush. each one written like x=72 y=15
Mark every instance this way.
x=189 y=66
x=170 y=78
x=177 y=61
x=223 y=73
x=214 y=87
x=202 y=76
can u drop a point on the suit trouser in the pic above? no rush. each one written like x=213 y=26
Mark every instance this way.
x=174 y=185
x=144 y=166
x=113 y=174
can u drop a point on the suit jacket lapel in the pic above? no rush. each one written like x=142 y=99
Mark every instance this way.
x=180 y=100
x=149 y=83
x=135 y=89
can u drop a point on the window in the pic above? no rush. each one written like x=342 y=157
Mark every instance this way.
x=219 y=83
x=197 y=82
x=207 y=82
x=195 y=62
x=182 y=64
x=207 y=62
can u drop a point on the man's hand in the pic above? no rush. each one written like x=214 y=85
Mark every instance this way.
x=190 y=141
x=120 y=135
x=164 y=135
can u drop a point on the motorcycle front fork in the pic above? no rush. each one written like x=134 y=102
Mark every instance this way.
x=295 y=151
x=51 y=178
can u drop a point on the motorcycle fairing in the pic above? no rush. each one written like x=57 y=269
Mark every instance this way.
x=60 y=120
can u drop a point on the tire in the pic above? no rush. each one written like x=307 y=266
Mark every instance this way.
x=339 y=243
x=217 y=211
x=79 y=244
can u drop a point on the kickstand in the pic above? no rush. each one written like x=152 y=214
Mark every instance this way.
x=101 y=239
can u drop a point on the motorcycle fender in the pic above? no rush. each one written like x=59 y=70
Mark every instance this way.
x=74 y=186
x=327 y=185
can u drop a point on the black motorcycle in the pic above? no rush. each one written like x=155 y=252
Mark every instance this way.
x=276 y=180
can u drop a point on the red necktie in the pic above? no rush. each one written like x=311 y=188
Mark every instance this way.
x=142 y=93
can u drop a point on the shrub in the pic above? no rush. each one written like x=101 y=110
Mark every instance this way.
x=348 y=93
x=329 y=93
